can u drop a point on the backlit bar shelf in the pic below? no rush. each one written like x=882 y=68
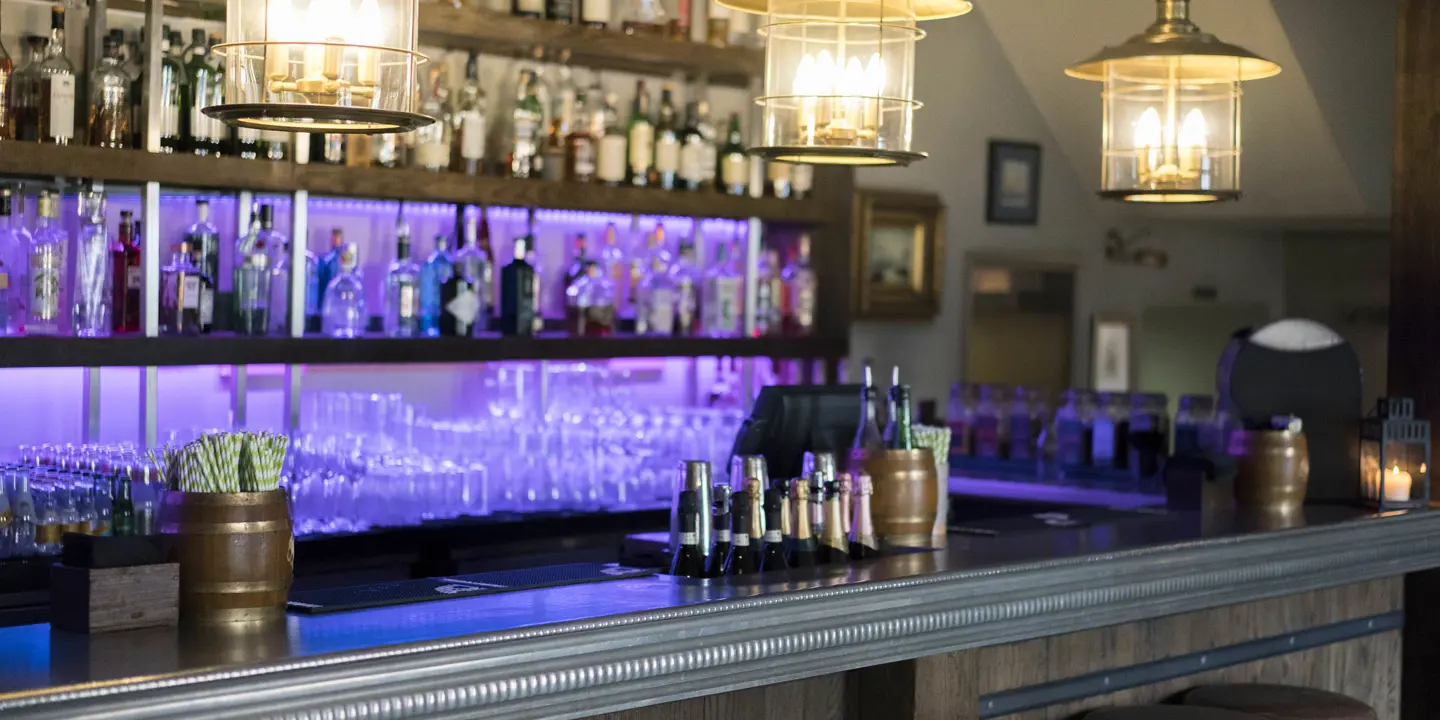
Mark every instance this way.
x=228 y=173
x=225 y=349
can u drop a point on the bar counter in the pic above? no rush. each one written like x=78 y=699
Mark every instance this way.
x=894 y=637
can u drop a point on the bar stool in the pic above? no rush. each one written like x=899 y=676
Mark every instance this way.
x=1167 y=712
x=1280 y=702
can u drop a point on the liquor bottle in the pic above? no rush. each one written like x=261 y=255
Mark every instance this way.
x=734 y=169
x=720 y=514
x=717 y=25
x=57 y=86
x=722 y=296
x=578 y=264
x=468 y=144
x=617 y=268
x=804 y=550
x=202 y=133
x=7 y=70
x=252 y=282
x=526 y=119
x=655 y=301
x=204 y=240
x=769 y=288
x=868 y=436
x=835 y=546
x=590 y=304
x=329 y=265
x=689 y=560
x=644 y=17
x=802 y=178
x=528 y=8
x=580 y=146
x=518 y=293
x=797 y=310
x=90 y=308
x=122 y=506
x=595 y=14
x=278 y=246
x=15 y=244
x=438 y=270
x=777 y=179
x=48 y=285
x=640 y=148
x=110 y=98
x=561 y=119
x=741 y=560
x=610 y=155
x=181 y=286
x=679 y=26
x=172 y=94
x=560 y=11
x=667 y=144
x=465 y=297
x=898 y=433
x=432 y=142
x=863 y=544
x=403 y=291
x=688 y=281
x=697 y=151
x=24 y=101
x=223 y=135
x=344 y=310
x=773 y=555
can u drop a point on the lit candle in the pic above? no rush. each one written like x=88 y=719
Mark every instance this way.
x=1192 y=144
x=874 y=90
x=324 y=60
x=1148 y=137
x=823 y=86
x=1397 y=485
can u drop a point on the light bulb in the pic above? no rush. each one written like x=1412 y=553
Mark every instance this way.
x=824 y=74
x=1148 y=130
x=1193 y=130
x=279 y=21
x=366 y=28
x=804 y=76
x=854 y=78
x=875 y=75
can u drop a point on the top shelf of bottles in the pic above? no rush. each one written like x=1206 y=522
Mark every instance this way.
x=226 y=173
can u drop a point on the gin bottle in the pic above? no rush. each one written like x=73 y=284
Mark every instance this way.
x=518 y=293
x=252 y=282
x=655 y=301
x=402 y=290
x=721 y=297
x=15 y=242
x=57 y=86
x=182 y=286
x=687 y=279
x=344 y=306
x=439 y=268
x=768 y=290
x=204 y=240
x=90 y=311
x=465 y=297
x=590 y=304
x=797 y=307
x=48 y=290
x=126 y=274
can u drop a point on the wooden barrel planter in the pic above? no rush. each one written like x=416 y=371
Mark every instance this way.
x=905 y=497
x=236 y=554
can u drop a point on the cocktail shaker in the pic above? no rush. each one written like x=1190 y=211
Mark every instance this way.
x=694 y=475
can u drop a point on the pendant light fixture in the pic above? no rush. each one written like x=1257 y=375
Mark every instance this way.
x=329 y=66
x=1172 y=111
x=840 y=78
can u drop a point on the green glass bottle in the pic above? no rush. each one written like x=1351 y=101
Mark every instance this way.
x=734 y=170
x=898 y=435
x=641 y=134
x=203 y=134
x=122 y=512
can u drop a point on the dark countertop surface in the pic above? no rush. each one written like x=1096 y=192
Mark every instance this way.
x=35 y=659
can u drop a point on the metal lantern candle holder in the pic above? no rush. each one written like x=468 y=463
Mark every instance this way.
x=1172 y=111
x=331 y=66
x=1394 y=456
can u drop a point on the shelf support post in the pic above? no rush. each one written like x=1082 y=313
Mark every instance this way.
x=239 y=386
x=90 y=432
x=299 y=239
x=754 y=246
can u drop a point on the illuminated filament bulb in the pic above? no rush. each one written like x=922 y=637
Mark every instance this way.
x=1149 y=135
x=279 y=26
x=1193 y=143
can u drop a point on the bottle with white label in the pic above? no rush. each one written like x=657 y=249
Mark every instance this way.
x=688 y=279
x=697 y=147
x=15 y=242
x=667 y=143
x=655 y=301
x=610 y=160
x=528 y=8
x=47 y=269
x=57 y=86
x=734 y=166
x=721 y=296
x=468 y=140
x=641 y=148
x=181 y=286
x=402 y=289
x=526 y=124
x=595 y=14
x=802 y=178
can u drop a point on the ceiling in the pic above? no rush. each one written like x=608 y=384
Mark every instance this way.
x=1317 y=138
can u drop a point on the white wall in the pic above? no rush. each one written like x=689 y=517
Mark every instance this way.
x=971 y=95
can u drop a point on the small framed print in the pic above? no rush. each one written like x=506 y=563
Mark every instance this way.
x=897 y=251
x=1013 y=192
x=1111 y=354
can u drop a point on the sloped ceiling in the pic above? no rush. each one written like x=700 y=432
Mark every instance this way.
x=1317 y=138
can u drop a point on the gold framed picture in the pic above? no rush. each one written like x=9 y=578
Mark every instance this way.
x=897 y=255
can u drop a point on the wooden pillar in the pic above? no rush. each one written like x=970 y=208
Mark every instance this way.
x=1415 y=303
x=937 y=687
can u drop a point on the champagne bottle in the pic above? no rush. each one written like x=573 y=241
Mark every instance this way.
x=741 y=560
x=721 y=513
x=863 y=544
x=688 y=560
x=804 y=550
x=773 y=555
x=835 y=547
x=868 y=436
x=755 y=493
x=898 y=435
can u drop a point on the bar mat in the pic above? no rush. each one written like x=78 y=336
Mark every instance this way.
x=404 y=592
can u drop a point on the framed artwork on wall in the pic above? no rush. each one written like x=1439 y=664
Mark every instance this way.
x=897 y=253
x=1112 y=355
x=1013 y=190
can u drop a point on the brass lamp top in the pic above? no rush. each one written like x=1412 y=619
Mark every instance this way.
x=860 y=10
x=1151 y=56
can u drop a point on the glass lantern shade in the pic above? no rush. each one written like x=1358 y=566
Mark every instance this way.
x=331 y=66
x=1171 y=128
x=1395 y=456
x=839 y=91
